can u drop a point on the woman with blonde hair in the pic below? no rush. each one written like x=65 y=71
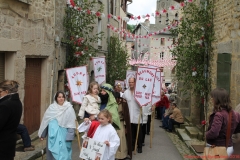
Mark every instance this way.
x=10 y=115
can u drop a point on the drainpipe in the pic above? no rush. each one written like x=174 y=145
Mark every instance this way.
x=108 y=31
x=119 y=22
x=52 y=88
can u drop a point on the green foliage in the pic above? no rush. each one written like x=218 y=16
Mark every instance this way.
x=79 y=28
x=116 y=58
x=194 y=49
x=130 y=27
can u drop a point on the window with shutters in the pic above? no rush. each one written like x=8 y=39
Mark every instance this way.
x=2 y=66
x=224 y=71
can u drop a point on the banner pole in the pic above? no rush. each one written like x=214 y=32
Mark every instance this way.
x=151 y=128
x=137 y=131
x=79 y=144
x=154 y=114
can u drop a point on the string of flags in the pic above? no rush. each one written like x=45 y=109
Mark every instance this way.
x=125 y=33
x=73 y=5
x=158 y=63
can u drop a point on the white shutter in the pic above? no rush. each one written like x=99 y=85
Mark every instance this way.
x=2 y=66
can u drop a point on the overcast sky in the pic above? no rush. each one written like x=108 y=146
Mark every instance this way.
x=142 y=7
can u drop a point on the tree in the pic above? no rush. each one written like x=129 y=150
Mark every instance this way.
x=117 y=60
x=130 y=27
x=79 y=24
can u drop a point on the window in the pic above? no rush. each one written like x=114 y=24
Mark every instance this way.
x=162 y=41
x=123 y=5
x=99 y=32
x=162 y=55
x=113 y=7
x=173 y=41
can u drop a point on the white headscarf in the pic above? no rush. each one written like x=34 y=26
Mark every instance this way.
x=65 y=115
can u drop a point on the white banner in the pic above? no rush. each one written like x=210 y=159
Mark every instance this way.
x=92 y=149
x=130 y=74
x=156 y=96
x=78 y=82
x=99 y=66
x=122 y=83
x=144 y=85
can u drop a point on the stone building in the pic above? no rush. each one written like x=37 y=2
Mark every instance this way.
x=157 y=46
x=31 y=52
x=226 y=61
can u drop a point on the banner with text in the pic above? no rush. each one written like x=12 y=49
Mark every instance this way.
x=144 y=85
x=156 y=96
x=78 y=82
x=130 y=74
x=92 y=149
x=99 y=66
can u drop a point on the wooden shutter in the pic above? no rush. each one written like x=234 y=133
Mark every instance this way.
x=2 y=67
x=224 y=71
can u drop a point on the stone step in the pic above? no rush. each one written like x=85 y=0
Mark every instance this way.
x=33 y=137
x=192 y=131
x=182 y=126
x=31 y=155
x=182 y=134
x=187 y=119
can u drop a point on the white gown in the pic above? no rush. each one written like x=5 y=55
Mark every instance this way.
x=102 y=134
x=108 y=133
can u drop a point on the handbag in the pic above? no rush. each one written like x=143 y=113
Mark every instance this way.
x=218 y=152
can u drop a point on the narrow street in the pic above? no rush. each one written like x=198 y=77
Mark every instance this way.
x=162 y=147
x=165 y=146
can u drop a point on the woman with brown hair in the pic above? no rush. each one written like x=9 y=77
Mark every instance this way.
x=10 y=114
x=218 y=122
x=58 y=125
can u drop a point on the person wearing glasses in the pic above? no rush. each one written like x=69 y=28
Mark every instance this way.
x=10 y=115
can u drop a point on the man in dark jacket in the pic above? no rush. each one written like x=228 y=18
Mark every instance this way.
x=10 y=114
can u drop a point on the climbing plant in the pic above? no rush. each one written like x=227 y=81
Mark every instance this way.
x=116 y=58
x=194 y=51
x=80 y=28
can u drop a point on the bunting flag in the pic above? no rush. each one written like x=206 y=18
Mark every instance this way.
x=130 y=74
x=126 y=33
x=158 y=63
x=99 y=65
x=77 y=82
x=178 y=6
x=144 y=85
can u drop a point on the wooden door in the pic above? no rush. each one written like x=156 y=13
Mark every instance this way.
x=32 y=99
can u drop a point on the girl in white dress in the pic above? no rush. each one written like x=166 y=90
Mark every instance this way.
x=104 y=133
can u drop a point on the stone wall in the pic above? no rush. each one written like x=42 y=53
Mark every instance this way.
x=227 y=33
x=34 y=26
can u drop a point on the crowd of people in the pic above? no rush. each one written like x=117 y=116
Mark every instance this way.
x=111 y=116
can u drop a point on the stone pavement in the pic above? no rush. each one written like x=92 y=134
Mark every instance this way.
x=165 y=146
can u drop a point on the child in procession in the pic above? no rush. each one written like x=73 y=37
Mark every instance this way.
x=91 y=101
x=105 y=132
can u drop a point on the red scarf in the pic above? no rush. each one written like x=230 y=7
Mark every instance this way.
x=93 y=128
